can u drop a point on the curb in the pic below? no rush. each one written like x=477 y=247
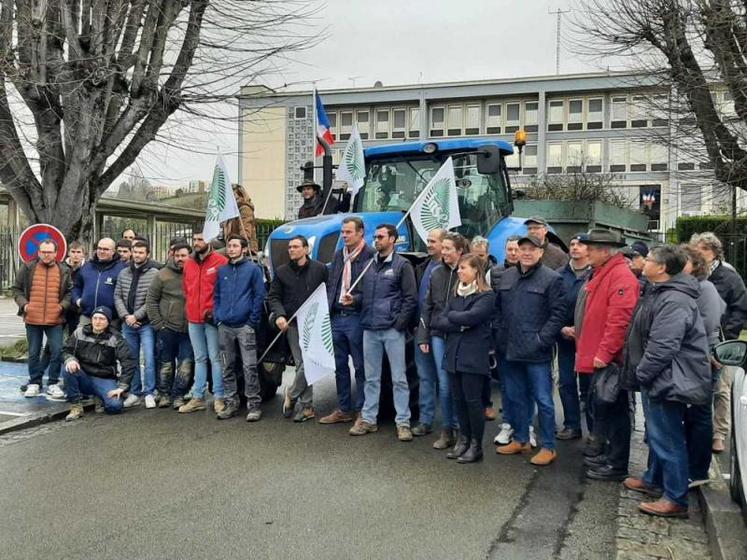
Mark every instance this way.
x=725 y=525
x=32 y=420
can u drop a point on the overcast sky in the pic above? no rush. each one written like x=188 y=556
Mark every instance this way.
x=397 y=42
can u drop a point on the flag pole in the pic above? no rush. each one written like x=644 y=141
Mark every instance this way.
x=314 y=126
x=277 y=336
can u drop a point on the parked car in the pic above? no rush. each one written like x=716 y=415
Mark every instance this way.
x=734 y=353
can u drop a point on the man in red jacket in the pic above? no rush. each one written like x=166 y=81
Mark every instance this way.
x=603 y=311
x=200 y=274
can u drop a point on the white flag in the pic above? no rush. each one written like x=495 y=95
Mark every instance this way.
x=437 y=207
x=221 y=204
x=352 y=165
x=315 y=336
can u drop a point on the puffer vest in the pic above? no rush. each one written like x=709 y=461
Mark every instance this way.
x=44 y=296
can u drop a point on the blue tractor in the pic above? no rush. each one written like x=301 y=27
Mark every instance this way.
x=395 y=175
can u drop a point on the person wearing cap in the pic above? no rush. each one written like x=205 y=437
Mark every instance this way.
x=636 y=259
x=574 y=274
x=313 y=202
x=553 y=256
x=91 y=356
x=603 y=311
x=529 y=313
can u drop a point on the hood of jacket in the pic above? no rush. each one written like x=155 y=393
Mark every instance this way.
x=681 y=283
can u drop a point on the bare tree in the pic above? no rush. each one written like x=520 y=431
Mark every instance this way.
x=691 y=46
x=580 y=185
x=85 y=85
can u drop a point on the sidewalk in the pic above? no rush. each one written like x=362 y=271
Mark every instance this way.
x=11 y=325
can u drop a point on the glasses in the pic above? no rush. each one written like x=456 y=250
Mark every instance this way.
x=381 y=237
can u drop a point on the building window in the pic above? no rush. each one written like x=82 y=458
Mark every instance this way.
x=363 y=121
x=574 y=157
x=638 y=110
x=382 y=124
x=332 y=116
x=299 y=112
x=437 y=121
x=618 y=156
x=727 y=104
x=399 y=120
x=593 y=158
x=472 y=120
x=659 y=157
x=619 y=116
x=637 y=156
x=660 y=113
x=414 y=128
x=493 y=125
x=595 y=114
x=454 y=122
x=555 y=115
x=691 y=198
x=530 y=160
x=346 y=124
x=530 y=116
x=555 y=158
x=513 y=115
x=575 y=114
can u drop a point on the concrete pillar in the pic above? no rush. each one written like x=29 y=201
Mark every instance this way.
x=151 y=227
x=424 y=118
x=541 y=132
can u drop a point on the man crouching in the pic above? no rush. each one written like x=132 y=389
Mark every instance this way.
x=91 y=354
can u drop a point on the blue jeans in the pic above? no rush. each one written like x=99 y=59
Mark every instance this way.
x=81 y=383
x=527 y=383
x=145 y=337
x=668 y=462
x=568 y=386
x=204 y=339
x=508 y=411
x=438 y=351
x=34 y=335
x=374 y=345
x=175 y=363
x=427 y=388
x=347 y=335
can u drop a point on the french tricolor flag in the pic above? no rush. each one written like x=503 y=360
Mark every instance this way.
x=323 y=128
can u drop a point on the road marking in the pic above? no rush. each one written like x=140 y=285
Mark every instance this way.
x=12 y=413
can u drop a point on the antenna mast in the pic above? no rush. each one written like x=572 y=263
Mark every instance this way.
x=559 y=15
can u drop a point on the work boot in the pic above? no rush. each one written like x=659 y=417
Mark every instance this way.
x=304 y=414
x=219 y=405
x=193 y=406
x=361 y=428
x=567 y=434
x=460 y=447
x=178 y=403
x=595 y=462
x=337 y=417
x=229 y=410
x=663 y=508
x=544 y=457
x=404 y=433
x=422 y=429
x=473 y=453
x=513 y=448
x=607 y=473
x=164 y=402
x=638 y=485
x=76 y=411
x=446 y=439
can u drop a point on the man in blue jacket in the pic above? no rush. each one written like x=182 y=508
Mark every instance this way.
x=345 y=313
x=389 y=301
x=574 y=274
x=529 y=313
x=239 y=294
x=95 y=283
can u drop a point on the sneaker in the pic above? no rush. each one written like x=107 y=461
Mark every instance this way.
x=228 y=411
x=422 y=429
x=568 y=434
x=178 y=403
x=490 y=414
x=150 y=401
x=254 y=415
x=76 y=411
x=544 y=457
x=288 y=403
x=404 y=433
x=361 y=428
x=446 y=439
x=532 y=437
x=32 y=390
x=98 y=405
x=700 y=482
x=219 y=405
x=304 y=414
x=513 y=448
x=164 y=402
x=505 y=435
x=131 y=401
x=337 y=417
x=193 y=406
x=54 y=392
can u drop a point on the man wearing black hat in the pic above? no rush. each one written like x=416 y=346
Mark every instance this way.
x=313 y=202
x=553 y=256
x=91 y=354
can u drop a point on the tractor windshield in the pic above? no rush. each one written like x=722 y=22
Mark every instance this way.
x=394 y=183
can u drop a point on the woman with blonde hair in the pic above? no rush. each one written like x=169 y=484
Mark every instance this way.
x=466 y=322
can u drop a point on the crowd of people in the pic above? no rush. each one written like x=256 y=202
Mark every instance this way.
x=616 y=319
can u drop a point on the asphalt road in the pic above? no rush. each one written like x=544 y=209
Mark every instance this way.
x=156 y=484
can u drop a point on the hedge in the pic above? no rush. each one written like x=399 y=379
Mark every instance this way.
x=735 y=246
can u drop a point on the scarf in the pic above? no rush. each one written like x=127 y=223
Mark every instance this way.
x=465 y=290
x=347 y=268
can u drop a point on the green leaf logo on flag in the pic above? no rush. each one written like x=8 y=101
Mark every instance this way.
x=327 y=334
x=217 y=200
x=325 y=329
x=352 y=161
x=434 y=212
x=308 y=326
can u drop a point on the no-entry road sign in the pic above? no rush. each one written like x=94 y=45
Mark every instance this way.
x=28 y=241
